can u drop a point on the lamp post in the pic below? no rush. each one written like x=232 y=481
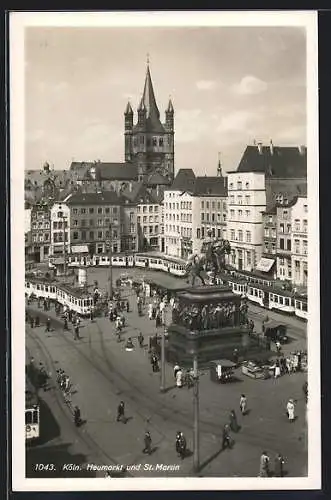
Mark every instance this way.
x=162 y=386
x=196 y=464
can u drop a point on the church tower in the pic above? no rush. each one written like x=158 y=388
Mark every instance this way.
x=149 y=143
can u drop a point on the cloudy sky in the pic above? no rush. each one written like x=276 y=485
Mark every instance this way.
x=229 y=86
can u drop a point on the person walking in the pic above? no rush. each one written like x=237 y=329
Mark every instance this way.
x=48 y=325
x=277 y=369
x=76 y=332
x=120 y=412
x=243 y=404
x=176 y=370
x=278 y=347
x=279 y=465
x=179 y=378
x=264 y=465
x=290 y=410
x=226 y=440
x=150 y=310
x=77 y=416
x=147 y=443
x=65 y=326
x=233 y=421
x=141 y=339
x=305 y=391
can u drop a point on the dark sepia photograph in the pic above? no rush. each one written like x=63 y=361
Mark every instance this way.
x=164 y=178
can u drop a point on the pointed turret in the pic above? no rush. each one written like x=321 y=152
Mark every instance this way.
x=128 y=109
x=170 y=108
x=149 y=97
x=169 y=115
x=219 y=166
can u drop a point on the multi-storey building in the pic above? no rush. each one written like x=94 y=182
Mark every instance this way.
x=196 y=205
x=246 y=202
x=60 y=229
x=40 y=232
x=284 y=242
x=300 y=242
x=95 y=220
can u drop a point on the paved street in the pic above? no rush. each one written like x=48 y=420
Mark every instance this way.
x=103 y=373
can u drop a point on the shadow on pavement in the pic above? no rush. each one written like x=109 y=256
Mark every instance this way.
x=49 y=428
x=60 y=457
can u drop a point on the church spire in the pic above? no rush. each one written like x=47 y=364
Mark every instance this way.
x=148 y=96
x=219 y=166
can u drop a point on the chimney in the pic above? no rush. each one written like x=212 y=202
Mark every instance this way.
x=271 y=147
x=301 y=149
x=157 y=190
x=130 y=187
x=259 y=147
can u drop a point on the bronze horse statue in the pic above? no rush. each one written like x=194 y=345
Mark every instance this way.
x=211 y=258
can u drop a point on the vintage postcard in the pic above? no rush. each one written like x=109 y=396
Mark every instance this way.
x=164 y=219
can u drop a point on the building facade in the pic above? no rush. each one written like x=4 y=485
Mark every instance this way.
x=60 y=229
x=246 y=202
x=96 y=221
x=284 y=242
x=300 y=242
x=40 y=232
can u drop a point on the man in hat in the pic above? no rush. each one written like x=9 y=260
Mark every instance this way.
x=120 y=412
x=243 y=404
x=279 y=465
x=148 y=443
x=290 y=410
x=264 y=465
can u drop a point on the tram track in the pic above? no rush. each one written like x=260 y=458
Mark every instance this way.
x=136 y=397
x=86 y=438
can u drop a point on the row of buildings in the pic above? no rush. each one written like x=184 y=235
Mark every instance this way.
x=139 y=205
x=263 y=212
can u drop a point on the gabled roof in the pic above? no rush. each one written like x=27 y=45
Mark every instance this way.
x=104 y=197
x=156 y=179
x=275 y=161
x=184 y=180
x=212 y=186
x=140 y=193
x=105 y=170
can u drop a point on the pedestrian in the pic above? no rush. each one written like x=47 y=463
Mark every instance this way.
x=233 y=421
x=235 y=356
x=76 y=332
x=290 y=410
x=141 y=339
x=179 y=378
x=120 y=412
x=176 y=369
x=277 y=369
x=226 y=440
x=264 y=465
x=243 y=404
x=279 y=465
x=181 y=445
x=65 y=327
x=305 y=390
x=77 y=416
x=127 y=306
x=278 y=346
x=150 y=310
x=48 y=325
x=129 y=345
x=31 y=322
x=147 y=443
x=37 y=321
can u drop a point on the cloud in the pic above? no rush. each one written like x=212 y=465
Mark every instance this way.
x=35 y=135
x=206 y=85
x=250 y=85
x=236 y=122
x=190 y=125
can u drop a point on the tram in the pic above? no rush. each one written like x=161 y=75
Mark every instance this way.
x=32 y=413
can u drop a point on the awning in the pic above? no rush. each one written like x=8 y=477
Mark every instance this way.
x=58 y=261
x=79 y=249
x=265 y=264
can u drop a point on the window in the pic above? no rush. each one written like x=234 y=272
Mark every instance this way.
x=305 y=208
x=207 y=205
x=150 y=208
x=297 y=225
x=154 y=141
x=296 y=246
x=83 y=210
x=75 y=223
x=240 y=213
x=145 y=229
x=60 y=215
x=281 y=243
x=202 y=216
x=75 y=235
x=305 y=247
x=219 y=233
x=91 y=222
x=248 y=213
x=213 y=217
x=75 y=211
x=91 y=235
x=218 y=205
x=231 y=199
x=248 y=236
x=83 y=235
x=240 y=235
x=288 y=228
x=83 y=222
x=100 y=222
x=156 y=208
x=247 y=185
x=288 y=245
x=247 y=199
x=281 y=228
x=213 y=205
x=114 y=210
x=239 y=186
x=240 y=200
x=285 y=214
x=232 y=214
x=156 y=229
x=305 y=225
x=161 y=141
x=151 y=218
x=202 y=205
x=207 y=217
x=198 y=233
x=54 y=225
x=231 y=185
x=91 y=210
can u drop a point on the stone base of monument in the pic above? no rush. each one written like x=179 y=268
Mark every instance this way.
x=184 y=341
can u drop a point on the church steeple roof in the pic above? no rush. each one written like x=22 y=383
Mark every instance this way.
x=128 y=109
x=170 y=108
x=149 y=98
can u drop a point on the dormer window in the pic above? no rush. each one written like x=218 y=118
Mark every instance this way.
x=154 y=141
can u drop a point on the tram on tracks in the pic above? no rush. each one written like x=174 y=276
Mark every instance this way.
x=32 y=413
x=259 y=290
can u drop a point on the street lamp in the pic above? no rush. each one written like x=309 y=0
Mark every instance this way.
x=196 y=464
x=64 y=246
x=162 y=386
